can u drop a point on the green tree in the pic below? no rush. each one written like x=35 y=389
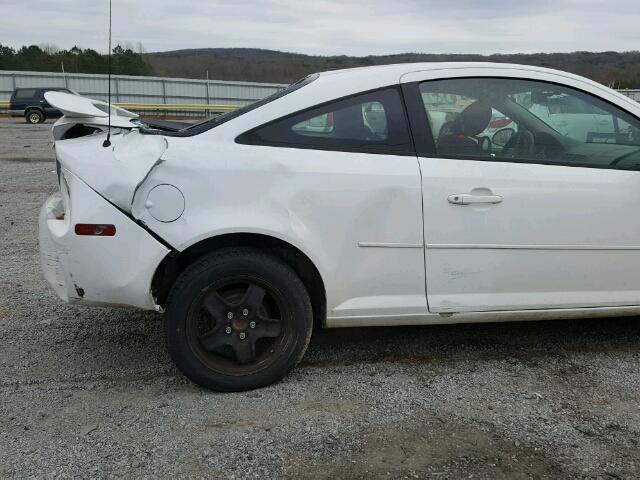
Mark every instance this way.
x=48 y=58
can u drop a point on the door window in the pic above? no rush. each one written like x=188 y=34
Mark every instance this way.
x=528 y=121
x=372 y=122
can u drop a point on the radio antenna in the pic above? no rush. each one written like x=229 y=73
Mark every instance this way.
x=107 y=141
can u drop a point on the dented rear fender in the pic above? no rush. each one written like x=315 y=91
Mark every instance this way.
x=116 y=171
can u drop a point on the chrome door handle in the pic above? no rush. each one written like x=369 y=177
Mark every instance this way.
x=470 y=199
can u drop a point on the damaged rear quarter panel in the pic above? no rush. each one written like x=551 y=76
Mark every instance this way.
x=323 y=203
x=115 y=171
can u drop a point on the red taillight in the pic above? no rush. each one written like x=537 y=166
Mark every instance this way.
x=95 y=229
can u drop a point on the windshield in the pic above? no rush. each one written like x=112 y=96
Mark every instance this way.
x=205 y=125
x=578 y=116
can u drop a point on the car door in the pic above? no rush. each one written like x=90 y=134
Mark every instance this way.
x=42 y=102
x=545 y=221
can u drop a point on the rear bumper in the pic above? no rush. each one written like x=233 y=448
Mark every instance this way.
x=16 y=113
x=114 y=270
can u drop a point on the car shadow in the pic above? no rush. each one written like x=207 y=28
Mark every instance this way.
x=497 y=340
x=127 y=344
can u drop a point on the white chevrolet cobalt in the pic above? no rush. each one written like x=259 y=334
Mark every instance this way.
x=390 y=195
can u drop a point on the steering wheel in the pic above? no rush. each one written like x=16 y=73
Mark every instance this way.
x=522 y=143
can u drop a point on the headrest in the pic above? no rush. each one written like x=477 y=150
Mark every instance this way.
x=473 y=120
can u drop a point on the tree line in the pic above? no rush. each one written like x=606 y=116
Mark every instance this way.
x=615 y=69
x=48 y=58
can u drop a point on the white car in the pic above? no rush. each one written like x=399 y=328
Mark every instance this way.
x=571 y=117
x=334 y=204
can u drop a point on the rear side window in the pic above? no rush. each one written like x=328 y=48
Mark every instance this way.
x=220 y=119
x=25 y=93
x=371 y=122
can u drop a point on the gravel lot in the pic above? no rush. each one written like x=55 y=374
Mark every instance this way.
x=92 y=392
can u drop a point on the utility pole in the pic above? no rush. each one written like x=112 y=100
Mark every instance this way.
x=64 y=75
x=206 y=112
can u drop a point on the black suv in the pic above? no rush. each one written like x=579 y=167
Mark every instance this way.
x=31 y=103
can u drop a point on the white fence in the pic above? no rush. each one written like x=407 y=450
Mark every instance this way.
x=130 y=89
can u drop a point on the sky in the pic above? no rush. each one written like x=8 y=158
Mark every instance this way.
x=331 y=27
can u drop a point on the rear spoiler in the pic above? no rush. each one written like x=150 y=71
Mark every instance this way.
x=77 y=110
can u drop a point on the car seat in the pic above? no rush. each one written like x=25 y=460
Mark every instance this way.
x=459 y=136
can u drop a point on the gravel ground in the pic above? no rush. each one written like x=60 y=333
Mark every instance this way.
x=92 y=392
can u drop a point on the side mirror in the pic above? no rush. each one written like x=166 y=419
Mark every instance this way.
x=501 y=137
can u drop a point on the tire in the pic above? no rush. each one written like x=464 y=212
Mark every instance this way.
x=34 y=116
x=237 y=319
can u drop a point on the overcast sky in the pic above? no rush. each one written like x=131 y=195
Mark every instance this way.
x=352 y=27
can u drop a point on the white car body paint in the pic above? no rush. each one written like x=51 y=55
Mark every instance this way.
x=357 y=216
x=569 y=124
x=278 y=192
x=562 y=237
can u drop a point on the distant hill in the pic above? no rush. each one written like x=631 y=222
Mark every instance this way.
x=619 y=69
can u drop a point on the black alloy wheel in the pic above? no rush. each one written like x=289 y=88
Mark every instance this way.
x=237 y=319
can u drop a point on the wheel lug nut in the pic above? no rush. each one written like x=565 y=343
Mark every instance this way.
x=252 y=324
x=227 y=330
x=245 y=312
x=242 y=335
x=230 y=315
